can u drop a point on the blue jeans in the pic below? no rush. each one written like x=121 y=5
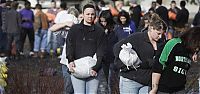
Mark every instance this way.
x=51 y=41
x=128 y=86
x=68 y=89
x=85 y=86
x=40 y=42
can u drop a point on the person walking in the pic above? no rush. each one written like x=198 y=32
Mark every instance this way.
x=136 y=80
x=107 y=22
x=85 y=39
x=196 y=20
x=125 y=25
x=27 y=16
x=172 y=12
x=162 y=11
x=51 y=38
x=41 y=29
x=71 y=20
x=182 y=18
x=13 y=29
x=174 y=61
x=135 y=12
x=3 y=36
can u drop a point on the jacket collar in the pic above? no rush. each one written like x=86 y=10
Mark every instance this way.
x=146 y=37
x=82 y=26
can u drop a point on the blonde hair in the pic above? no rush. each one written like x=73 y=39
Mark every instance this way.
x=74 y=11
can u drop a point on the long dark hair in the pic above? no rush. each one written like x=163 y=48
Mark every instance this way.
x=126 y=15
x=109 y=19
x=191 y=39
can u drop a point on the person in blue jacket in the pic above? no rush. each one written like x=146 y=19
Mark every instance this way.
x=125 y=25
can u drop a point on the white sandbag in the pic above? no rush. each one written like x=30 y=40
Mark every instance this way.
x=83 y=66
x=3 y=60
x=128 y=56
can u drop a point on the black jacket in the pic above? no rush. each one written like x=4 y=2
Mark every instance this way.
x=111 y=40
x=136 y=14
x=196 y=21
x=84 y=41
x=163 y=13
x=172 y=22
x=182 y=17
x=141 y=44
x=173 y=63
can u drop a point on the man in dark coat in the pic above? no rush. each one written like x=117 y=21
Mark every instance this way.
x=181 y=19
x=162 y=11
x=196 y=21
x=135 y=12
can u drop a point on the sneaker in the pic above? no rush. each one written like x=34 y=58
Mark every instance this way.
x=31 y=53
x=51 y=52
x=58 y=51
x=21 y=53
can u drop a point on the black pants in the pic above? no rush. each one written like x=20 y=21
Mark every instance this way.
x=13 y=38
x=3 y=42
x=30 y=33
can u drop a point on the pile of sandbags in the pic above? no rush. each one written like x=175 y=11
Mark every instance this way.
x=3 y=74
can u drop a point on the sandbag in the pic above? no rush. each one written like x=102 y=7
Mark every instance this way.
x=129 y=57
x=83 y=66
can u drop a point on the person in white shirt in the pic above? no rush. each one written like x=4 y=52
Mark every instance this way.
x=64 y=20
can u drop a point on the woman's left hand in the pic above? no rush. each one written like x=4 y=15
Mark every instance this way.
x=195 y=57
x=93 y=73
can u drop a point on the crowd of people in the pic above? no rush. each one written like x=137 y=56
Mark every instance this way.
x=164 y=41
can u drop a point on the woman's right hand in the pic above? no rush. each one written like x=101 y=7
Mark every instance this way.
x=71 y=67
x=195 y=57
